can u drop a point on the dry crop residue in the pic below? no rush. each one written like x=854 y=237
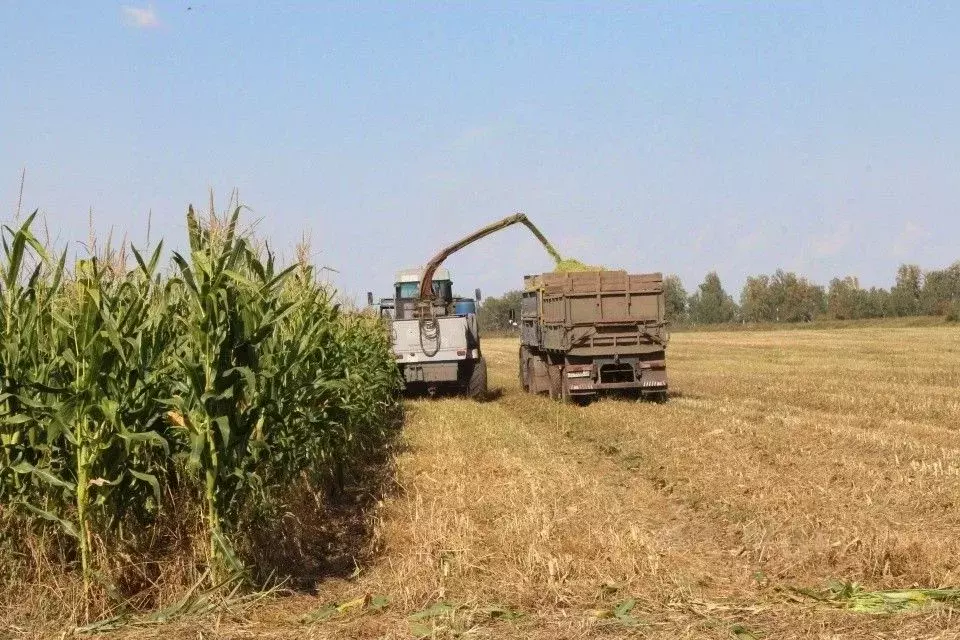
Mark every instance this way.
x=785 y=460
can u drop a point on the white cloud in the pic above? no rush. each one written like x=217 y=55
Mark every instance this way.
x=141 y=17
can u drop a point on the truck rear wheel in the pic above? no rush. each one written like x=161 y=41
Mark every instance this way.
x=477 y=385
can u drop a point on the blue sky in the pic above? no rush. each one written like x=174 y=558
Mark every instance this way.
x=675 y=137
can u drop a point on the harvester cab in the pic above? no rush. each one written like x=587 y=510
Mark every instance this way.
x=437 y=345
x=407 y=293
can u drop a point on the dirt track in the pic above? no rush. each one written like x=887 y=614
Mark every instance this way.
x=784 y=460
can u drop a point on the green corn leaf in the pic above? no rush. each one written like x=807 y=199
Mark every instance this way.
x=624 y=608
x=249 y=378
x=16 y=250
x=226 y=394
x=68 y=527
x=223 y=425
x=433 y=611
x=147 y=437
x=24 y=468
x=227 y=554
x=150 y=479
x=54 y=285
x=241 y=279
x=198 y=442
x=186 y=273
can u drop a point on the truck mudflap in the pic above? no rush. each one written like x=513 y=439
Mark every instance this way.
x=653 y=384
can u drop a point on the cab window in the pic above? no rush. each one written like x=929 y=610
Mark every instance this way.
x=441 y=288
x=409 y=289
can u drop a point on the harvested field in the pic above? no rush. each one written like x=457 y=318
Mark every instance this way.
x=785 y=461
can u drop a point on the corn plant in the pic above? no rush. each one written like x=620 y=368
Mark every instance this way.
x=229 y=308
x=228 y=379
x=29 y=292
x=85 y=449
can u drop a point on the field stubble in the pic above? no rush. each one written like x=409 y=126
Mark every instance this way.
x=784 y=460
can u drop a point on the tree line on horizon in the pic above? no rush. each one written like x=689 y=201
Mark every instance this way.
x=785 y=296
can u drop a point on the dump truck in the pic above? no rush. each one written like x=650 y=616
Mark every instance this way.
x=436 y=336
x=586 y=333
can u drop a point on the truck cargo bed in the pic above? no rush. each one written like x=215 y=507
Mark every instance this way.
x=593 y=331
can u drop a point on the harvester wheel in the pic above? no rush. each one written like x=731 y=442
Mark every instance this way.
x=477 y=386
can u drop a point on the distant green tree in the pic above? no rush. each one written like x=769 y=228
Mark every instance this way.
x=845 y=299
x=875 y=303
x=905 y=294
x=756 y=301
x=795 y=298
x=494 y=312
x=953 y=313
x=675 y=299
x=941 y=291
x=710 y=304
x=781 y=297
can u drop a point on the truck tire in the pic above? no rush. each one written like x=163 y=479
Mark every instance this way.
x=477 y=385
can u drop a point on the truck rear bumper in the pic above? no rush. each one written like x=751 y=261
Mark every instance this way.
x=645 y=380
x=589 y=387
x=435 y=372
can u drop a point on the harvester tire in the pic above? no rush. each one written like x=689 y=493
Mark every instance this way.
x=477 y=385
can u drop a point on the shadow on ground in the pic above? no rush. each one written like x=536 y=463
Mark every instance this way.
x=453 y=392
x=327 y=532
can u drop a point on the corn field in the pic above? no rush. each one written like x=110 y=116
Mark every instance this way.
x=218 y=378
